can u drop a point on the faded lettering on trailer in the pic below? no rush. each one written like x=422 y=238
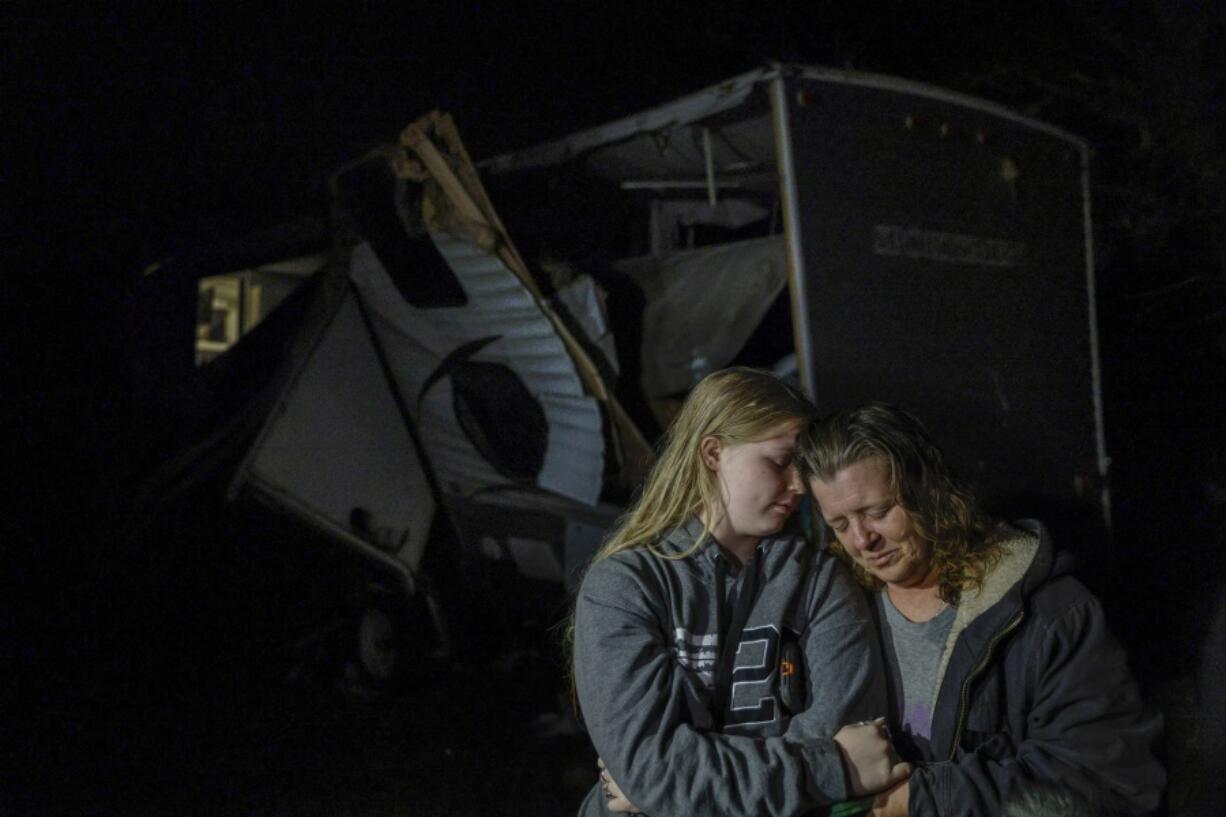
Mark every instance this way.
x=952 y=248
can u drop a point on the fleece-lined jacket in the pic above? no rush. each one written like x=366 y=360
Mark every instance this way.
x=1033 y=687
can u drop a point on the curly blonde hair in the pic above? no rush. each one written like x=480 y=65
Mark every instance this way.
x=944 y=512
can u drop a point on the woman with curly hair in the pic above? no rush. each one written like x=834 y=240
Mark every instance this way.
x=1002 y=673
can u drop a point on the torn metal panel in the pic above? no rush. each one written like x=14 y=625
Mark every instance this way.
x=702 y=306
x=585 y=303
x=338 y=442
x=417 y=340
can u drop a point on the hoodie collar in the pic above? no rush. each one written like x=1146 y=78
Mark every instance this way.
x=683 y=537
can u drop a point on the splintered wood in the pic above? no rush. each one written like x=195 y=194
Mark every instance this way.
x=455 y=200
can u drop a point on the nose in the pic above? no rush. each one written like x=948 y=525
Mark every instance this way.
x=795 y=484
x=862 y=537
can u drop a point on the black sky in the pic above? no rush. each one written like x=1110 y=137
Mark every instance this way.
x=149 y=122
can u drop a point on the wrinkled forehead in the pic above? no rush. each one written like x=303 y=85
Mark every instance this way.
x=869 y=478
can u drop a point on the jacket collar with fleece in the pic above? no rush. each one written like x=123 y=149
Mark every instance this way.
x=1029 y=561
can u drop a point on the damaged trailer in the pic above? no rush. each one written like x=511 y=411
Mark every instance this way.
x=920 y=247
x=500 y=344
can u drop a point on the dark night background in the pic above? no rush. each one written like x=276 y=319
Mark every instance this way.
x=152 y=679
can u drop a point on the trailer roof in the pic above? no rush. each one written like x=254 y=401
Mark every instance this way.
x=733 y=93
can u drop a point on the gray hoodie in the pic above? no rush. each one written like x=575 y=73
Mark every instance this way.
x=689 y=725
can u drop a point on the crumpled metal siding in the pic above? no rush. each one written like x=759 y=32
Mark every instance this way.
x=417 y=339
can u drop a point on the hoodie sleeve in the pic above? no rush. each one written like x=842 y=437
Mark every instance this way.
x=844 y=673
x=639 y=713
x=1087 y=731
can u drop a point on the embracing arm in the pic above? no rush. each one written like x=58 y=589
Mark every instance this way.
x=639 y=712
x=844 y=675
x=1087 y=730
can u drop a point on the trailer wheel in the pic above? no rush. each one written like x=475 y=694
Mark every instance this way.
x=381 y=644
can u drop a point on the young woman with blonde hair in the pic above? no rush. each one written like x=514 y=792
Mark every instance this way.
x=715 y=655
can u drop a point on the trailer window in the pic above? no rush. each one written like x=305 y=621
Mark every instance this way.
x=501 y=418
x=229 y=306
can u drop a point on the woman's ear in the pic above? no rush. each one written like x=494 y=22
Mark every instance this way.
x=709 y=449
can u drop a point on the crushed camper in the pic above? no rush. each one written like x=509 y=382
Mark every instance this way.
x=494 y=347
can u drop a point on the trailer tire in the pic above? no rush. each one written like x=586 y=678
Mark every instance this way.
x=383 y=648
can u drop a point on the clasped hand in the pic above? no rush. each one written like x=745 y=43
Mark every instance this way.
x=869 y=757
x=871 y=762
x=616 y=800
